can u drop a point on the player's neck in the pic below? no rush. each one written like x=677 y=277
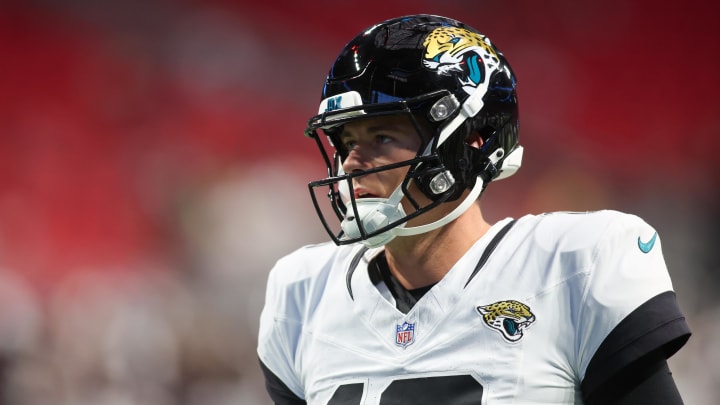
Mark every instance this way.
x=421 y=260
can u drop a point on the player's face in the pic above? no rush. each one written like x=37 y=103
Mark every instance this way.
x=375 y=142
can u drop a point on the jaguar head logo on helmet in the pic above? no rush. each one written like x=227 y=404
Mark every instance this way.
x=459 y=51
x=454 y=86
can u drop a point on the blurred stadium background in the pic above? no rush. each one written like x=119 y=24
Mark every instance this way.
x=153 y=167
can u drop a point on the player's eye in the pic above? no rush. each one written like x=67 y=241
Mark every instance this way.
x=349 y=144
x=382 y=139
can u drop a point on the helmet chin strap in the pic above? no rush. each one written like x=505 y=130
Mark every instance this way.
x=375 y=213
x=459 y=210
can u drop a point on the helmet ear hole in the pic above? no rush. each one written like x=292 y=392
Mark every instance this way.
x=485 y=133
x=475 y=140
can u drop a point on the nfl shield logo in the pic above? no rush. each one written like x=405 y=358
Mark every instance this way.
x=405 y=334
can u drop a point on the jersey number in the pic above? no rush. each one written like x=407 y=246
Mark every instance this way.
x=456 y=389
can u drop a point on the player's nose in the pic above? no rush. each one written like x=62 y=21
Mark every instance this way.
x=358 y=158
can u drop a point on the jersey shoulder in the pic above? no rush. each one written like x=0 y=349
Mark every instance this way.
x=573 y=231
x=305 y=262
x=303 y=274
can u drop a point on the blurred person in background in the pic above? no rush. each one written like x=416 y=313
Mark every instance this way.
x=418 y=299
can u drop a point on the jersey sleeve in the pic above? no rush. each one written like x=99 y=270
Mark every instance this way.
x=280 y=328
x=629 y=311
x=625 y=363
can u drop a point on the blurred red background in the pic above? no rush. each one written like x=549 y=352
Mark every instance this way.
x=167 y=136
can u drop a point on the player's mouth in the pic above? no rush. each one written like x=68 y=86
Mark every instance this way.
x=363 y=193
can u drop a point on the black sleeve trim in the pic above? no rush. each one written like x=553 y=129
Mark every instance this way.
x=651 y=383
x=279 y=392
x=655 y=330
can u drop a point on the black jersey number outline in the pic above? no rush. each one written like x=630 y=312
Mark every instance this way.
x=456 y=389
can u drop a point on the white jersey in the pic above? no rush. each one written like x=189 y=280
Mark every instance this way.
x=523 y=329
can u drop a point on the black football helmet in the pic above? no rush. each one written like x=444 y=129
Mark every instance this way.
x=434 y=69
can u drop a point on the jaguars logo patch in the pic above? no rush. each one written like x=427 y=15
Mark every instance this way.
x=453 y=51
x=509 y=318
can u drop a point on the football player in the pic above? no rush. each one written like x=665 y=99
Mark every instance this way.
x=419 y=300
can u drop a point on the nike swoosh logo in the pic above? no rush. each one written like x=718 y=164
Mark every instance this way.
x=646 y=247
